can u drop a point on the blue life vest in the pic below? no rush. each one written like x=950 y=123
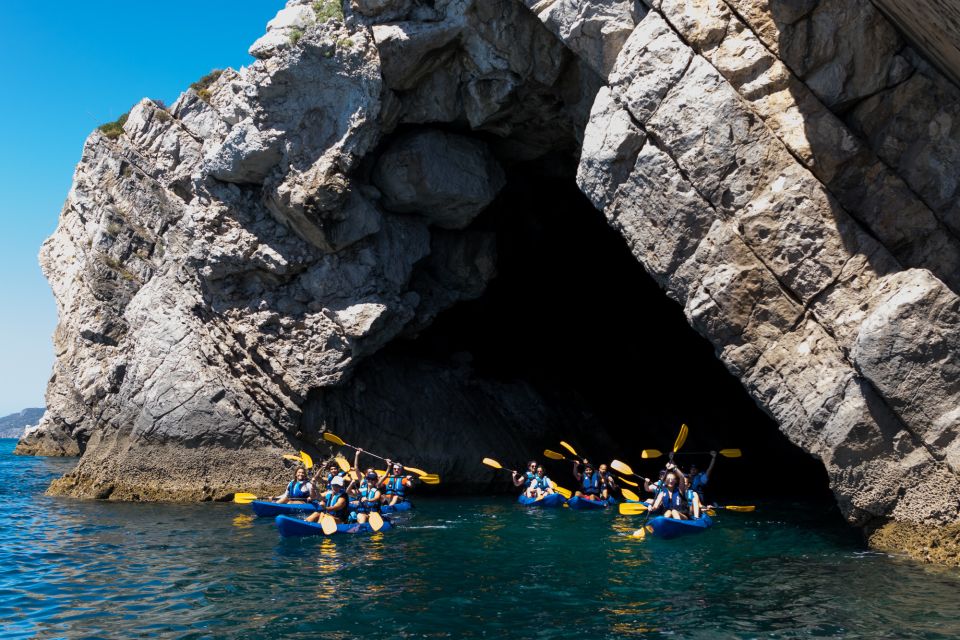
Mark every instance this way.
x=540 y=483
x=689 y=496
x=298 y=490
x=698 y=482
x=591 y=484
x=394 y=486
x=331 y=499
x=668 y=502
x=367 y=502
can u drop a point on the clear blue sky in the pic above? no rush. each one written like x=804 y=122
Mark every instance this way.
x=71 y=66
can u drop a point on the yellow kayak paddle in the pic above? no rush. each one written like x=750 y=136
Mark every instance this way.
x=681 y=437
x=630 y=495
x=633 y=508
x=375 y=520
x=334 y=439
x=244 y=498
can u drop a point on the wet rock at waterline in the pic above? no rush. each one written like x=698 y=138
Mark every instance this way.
x=224 y=264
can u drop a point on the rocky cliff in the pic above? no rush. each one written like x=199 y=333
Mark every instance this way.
x=228 y=271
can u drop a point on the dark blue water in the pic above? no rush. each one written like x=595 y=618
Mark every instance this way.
x=473 y=568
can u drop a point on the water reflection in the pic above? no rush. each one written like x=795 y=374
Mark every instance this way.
x=473 y=568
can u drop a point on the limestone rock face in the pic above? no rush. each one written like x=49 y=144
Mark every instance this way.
x=786 y=170
x=446 y=178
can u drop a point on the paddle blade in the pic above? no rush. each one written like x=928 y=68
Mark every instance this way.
x=328 y=524
x=640 y=533
x=430 y=479
x=306 y=459
x=292 y=456
x=630 y=495
x=376 y=522
x=342 y=463
x=419 y=472
x=632 y=508
x=681 y=437
x=380 y=472
x=244 y=498
x=566 y=493
x=622 y=467
x=742 y=509
x=629 y=482
x=731 y=453
x=649 y=454
x=568 y=447
x=553 y=455
x=490 y=462
x=329 y=437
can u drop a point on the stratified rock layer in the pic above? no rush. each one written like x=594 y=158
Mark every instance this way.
x=787 y=171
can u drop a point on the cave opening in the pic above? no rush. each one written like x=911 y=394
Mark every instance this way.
x=571 y=311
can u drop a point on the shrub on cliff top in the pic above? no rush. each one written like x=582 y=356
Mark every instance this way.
x=114 y=130
x=326 y=9
x=202 y=86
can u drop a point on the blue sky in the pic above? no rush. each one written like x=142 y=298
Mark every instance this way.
x=70 y=67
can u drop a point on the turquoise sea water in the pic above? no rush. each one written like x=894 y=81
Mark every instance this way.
x=457 y=569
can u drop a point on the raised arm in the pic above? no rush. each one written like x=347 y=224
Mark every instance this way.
x=713 y=461
x=576 y=471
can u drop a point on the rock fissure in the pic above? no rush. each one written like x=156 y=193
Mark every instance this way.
x=364 y=238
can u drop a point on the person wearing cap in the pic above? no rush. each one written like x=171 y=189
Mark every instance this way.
x=334 y=502
x=395 y=484
x=368 y=492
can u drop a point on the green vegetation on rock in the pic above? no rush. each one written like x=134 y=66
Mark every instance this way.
x=326 y=9
x=114 y=130
x=202 y=86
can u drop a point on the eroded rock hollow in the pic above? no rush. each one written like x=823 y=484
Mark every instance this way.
x=289 y=248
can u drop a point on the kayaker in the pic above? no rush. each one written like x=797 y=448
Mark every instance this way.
x=698 y=479
x=332 y=471
x=669 y=501
x=395 y=484
x=654 y=487
x=524 y=480
x=607 y=483
x=334 y=502
x=368 y=493
x=694 y=504
x=539 y=486
x=590 y=484
x=299 y=490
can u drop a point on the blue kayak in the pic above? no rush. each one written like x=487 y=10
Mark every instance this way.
x=577 y=502
x=406 y=505
x=294 y=527
x=266 y=509
x=551 y=500
x=667 y=528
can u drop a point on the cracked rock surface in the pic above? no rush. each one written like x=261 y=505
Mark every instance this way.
x=787 y=171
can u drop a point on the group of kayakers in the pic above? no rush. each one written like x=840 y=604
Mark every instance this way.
x=348 y=495
x=674 y=494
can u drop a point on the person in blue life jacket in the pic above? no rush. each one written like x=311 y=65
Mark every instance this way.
x=334 y=502
x=607 y=482
x=368 y=495
x=299 y=490
x=670 y=501
x=524 y=479
x=539 y=486
x=693 y=502
x=591 y=485
x=395 y=484
x=328 y=473
x=653 y=487
x=699 y=479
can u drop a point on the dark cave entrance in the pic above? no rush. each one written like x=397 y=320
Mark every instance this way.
x=572 y=311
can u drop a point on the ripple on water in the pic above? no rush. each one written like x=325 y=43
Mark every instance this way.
x=475 y=568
